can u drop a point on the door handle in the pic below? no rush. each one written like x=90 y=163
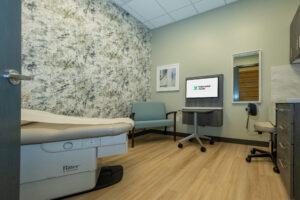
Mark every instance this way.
x=15 y=78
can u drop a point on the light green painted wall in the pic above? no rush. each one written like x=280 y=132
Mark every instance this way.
x=204 y=45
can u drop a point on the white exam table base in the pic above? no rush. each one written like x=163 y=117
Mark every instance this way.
x=57 y=169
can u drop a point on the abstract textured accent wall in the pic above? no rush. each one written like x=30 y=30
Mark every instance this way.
x=89 y=58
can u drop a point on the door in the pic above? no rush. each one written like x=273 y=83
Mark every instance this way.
x=297 y=34
x=295 y=38
x=292 y=43
x=10 y=100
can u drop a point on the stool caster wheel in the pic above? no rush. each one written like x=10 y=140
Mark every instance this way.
x=211 y=142
x=253 y=151
x=180 y=145
x=203 y=149
x=248 y=159
x=191 y=140
x=276 y=170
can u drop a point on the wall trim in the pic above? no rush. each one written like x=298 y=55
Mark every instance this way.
x=215 y=138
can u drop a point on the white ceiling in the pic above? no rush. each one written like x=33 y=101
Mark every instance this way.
x=157 y=13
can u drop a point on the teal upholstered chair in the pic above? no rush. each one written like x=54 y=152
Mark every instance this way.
x=151 y=115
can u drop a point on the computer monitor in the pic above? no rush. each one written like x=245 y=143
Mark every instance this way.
x=202 y=88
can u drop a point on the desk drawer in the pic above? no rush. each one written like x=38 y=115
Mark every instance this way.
x=285 y=150
x=285 y=112
x=286 y=172
x=285 y=122
x=285 y=134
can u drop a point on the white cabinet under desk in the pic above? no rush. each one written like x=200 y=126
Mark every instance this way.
x=288 y=146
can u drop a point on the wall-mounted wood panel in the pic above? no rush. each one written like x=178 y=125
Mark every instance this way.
x=249 y=84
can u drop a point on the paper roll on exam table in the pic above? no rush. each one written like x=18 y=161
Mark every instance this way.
x=196 y=110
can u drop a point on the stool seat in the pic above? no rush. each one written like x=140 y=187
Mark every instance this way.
x=264 y=127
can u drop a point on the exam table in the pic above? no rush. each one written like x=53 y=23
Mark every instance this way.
x=59 y=154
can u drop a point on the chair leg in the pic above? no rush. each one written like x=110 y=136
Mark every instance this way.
x=165 y=130
x=260 y=155
x=263 y=153
x=175 y=132
x=174 y=126
x=260 y=151
x=132 y=138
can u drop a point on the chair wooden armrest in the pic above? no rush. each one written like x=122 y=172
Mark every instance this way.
x=131 y=132
x=131 y=116
x=173 y=112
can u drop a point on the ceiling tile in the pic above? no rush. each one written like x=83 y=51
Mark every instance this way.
x=149 y=25
x=118 y=2
x=230 y=1
x=170 y=5
x=126 y=1
x=156 y=13
x=160 y=21
x=182 y=13
x=133 y=13
x=148 y=9
x=205 y=5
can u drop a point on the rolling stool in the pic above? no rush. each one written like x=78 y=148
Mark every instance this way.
x=265 y=127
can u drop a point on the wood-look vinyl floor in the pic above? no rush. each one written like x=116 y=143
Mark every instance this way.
x=157 y=169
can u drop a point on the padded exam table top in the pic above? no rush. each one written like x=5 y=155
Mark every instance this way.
x=38 y=133
x=37 y=130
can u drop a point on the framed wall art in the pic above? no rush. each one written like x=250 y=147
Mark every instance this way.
x=167 y=78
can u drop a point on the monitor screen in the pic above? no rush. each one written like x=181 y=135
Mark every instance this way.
x=202 y=88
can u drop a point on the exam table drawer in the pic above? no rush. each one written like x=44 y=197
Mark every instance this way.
x=113 y=140
x=113 y=145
